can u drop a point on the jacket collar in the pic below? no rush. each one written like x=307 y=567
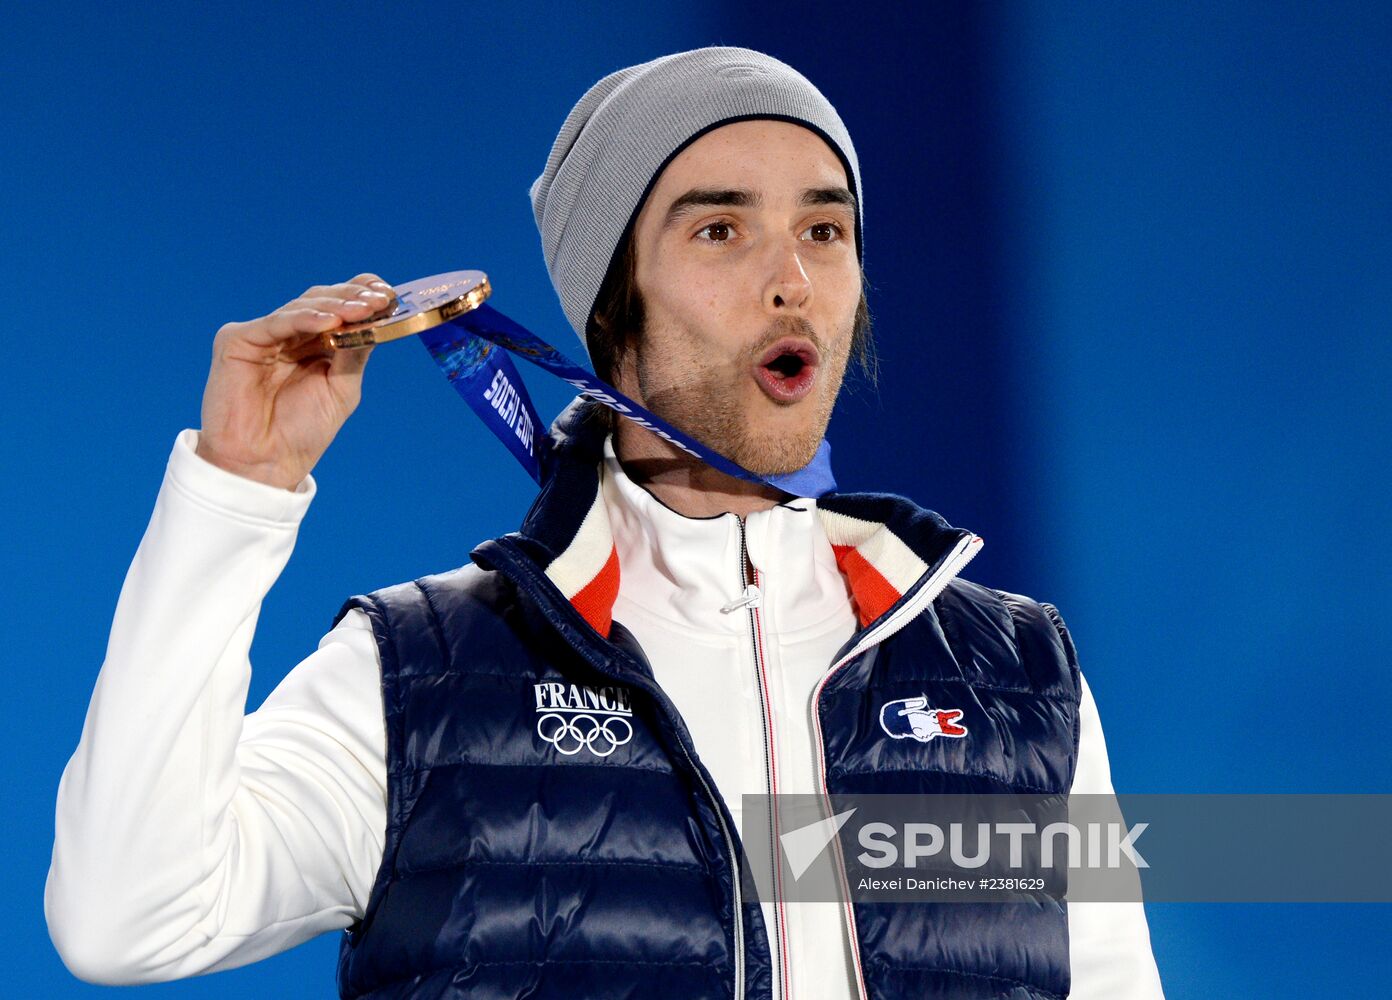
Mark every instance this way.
x=884 y=544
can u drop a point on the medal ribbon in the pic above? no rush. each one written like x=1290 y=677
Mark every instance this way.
x=486 y=378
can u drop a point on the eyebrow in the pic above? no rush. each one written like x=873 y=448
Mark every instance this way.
x=698 y=198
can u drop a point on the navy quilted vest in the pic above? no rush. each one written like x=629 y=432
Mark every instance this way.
x=516 y=867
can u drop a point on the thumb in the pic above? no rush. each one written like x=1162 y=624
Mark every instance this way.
x=349 y=361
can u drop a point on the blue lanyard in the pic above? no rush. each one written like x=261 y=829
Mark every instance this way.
x=488 y=381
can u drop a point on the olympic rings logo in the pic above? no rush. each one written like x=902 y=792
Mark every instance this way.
x=584 y=731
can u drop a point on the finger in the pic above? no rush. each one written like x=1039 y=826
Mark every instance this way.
x=300 y=326
x=349 y=289
x=349 y=361
x=289 y=336
x=363 y=285
x=279 y=327
x=373 y=281
x=351 y=309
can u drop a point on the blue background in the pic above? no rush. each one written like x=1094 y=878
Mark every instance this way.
x=1132 y=277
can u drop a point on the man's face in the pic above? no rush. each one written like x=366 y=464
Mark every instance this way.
x=747 y=267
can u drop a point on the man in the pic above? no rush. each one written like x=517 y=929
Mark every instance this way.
x=523 y=777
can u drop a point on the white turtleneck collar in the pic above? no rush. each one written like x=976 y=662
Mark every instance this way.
x=682 y=570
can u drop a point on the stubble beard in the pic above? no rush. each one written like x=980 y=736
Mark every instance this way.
x=709 y=405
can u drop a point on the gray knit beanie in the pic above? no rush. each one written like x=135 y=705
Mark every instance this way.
x=629 y=126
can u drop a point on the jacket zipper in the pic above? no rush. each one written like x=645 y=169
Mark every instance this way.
x=962 y=553
x=751 y=597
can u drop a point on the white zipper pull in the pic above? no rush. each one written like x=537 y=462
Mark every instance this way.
x=749 y=599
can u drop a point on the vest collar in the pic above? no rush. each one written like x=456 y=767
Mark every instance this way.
x=884 y=544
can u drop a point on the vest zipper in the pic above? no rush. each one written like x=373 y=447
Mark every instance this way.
x=521 y=569
x=751 y=597
x=962 y=553
x=734 y=873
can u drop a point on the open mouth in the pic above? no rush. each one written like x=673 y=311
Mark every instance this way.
x=787 y=370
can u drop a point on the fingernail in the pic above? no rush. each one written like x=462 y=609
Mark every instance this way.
x=365 y=294
x=380 y=285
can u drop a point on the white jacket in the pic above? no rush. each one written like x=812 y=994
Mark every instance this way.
x=191 y=837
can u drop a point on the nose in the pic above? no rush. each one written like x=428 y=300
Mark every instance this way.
x=788 y=286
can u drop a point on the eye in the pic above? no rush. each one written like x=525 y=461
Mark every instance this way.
x=720 y=232
x=824 y=232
